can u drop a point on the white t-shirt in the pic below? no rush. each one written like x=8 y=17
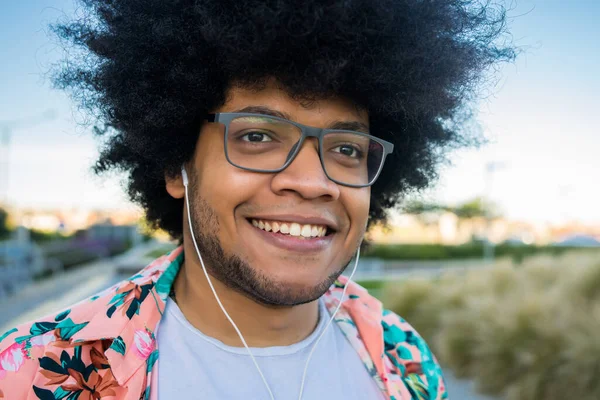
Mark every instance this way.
x=195 y=366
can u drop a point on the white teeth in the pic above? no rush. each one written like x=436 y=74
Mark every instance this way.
x=293 y=229
x=306 y=231
x=314 y=231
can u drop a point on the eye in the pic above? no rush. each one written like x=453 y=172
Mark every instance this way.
x=348 y=151
x=256 y=137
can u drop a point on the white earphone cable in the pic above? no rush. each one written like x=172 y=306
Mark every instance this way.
x=328 y=323
x=217 y=297
x=185 y=184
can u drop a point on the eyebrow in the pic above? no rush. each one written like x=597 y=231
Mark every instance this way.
x=342 y=125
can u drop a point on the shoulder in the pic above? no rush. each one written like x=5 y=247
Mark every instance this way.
x=26 y=348
x=407 y=357
x=37 y=355
x=68 y=324
x=412 y=359
x=72 y=345
x=402 y=340
x=43 y=331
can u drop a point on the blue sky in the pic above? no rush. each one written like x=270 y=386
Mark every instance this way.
x=542 y=119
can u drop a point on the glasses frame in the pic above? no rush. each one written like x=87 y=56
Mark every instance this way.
x=307 y=131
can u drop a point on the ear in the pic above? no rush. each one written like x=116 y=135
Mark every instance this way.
x=174 y=186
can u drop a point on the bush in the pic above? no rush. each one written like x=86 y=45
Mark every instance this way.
x=42 y=237
x=529 y=332
x=4 y=230
x=465 y=251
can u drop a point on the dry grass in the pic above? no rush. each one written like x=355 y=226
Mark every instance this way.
x=530 y=331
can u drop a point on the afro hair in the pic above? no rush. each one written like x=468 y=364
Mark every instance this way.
x=150 y=70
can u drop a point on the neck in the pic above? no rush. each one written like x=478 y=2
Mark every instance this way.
x=261 y=325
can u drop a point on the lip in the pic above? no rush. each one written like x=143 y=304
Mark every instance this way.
x=294 y=243
x=300 y=219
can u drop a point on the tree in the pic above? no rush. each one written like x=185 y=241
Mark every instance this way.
x=4 y=231
x=418 y=207
x=475 y=208
x=426 y=213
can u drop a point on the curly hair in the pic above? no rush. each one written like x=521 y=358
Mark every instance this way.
x=150 y=70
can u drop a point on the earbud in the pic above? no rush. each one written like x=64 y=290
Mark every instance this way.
x=184 y=176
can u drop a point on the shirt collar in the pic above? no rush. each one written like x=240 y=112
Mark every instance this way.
x=130 y=314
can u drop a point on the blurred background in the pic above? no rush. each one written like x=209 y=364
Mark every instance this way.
x=497 y=265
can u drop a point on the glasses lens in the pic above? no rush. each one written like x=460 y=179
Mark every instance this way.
x=260 y=142
x=351 y=158
x=263 y=143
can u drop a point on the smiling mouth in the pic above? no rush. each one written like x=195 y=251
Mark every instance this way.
x=294 y=229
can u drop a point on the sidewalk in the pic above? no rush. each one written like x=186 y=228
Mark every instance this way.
x=60 y=291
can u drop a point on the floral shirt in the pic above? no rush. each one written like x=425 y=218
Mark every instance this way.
x=105 y=347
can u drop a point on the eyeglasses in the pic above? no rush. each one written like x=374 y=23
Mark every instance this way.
x=263 y=143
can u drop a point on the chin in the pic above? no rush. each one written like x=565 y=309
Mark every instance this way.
x=289 y=291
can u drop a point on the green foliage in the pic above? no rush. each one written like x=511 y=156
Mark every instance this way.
x=160 y=251
x=374 y=286
x=146 y=229
x=473 y=208
x=44 y=237
x=460 y=252
x=4 y=230
x=418 y=207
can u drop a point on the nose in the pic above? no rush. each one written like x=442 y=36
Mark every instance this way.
x=305 y=175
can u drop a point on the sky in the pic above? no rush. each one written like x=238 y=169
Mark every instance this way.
x=541 y=119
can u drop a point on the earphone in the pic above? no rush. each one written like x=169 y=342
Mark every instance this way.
x=184 y=177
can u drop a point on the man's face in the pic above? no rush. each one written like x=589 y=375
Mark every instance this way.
x=227 y=202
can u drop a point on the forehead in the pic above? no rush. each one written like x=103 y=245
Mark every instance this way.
x=320 y=112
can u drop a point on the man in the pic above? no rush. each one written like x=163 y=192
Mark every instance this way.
x=256 y=133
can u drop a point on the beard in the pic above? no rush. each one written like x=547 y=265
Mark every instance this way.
x=239 y=275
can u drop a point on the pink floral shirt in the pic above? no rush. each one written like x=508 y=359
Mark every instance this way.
x=105 y=347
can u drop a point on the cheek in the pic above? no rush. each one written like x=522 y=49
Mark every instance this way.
x=224 y=187
x=357 y=202
x=217 y=181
